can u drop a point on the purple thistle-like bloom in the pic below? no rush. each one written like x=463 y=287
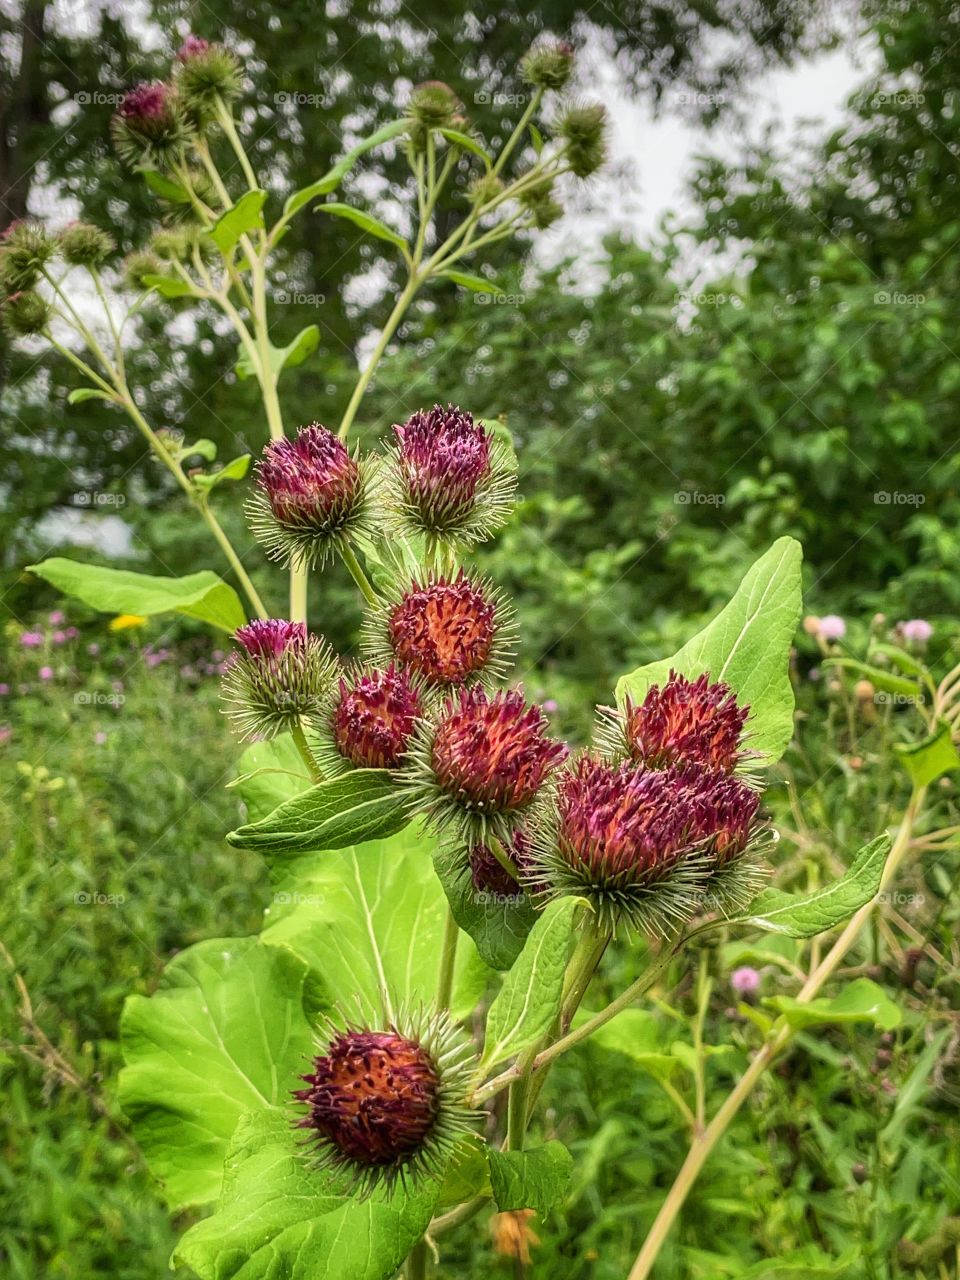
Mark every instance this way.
x=383 y=1105
x=312 y=494
x=444 y=630
x=831 y=628
x=686 y=722
x=489 y=875
x=279 y=674
x=449 y=476
x=192 y=47
x=745 y=981
x=492 y=755
x=374 y=717
x=266 y=639
x=916 y=630
x=374 y=1096
x=643 y=844
x=148 y=108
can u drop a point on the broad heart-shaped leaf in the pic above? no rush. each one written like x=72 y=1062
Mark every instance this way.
x=365 y=804
x=332 y=179
x=804 y=915
x=370 y=919
x=269 y=773
x=245 y=215
x=365 y=221
x=226 y=1033
x=498 y=923
x=747 y=645
x=535 y=1179
x=529 y=1000
x=199 y=595
x=288 y=357
x=861 y=1001
x=925 y=761
x=280 y=1217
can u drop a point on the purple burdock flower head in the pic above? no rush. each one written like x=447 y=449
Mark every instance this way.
x=480 y=763
x=206 y=75
x=148 y=127
x=450 y=632
x=916 y=631
x=831 y=628
x=449 y=477
x=370 y=721
x=745 y=982
x=279 y=674
x=681 y=722
x=192 y=47
x=312 y=497
x=644 y=846
x=385 y=1105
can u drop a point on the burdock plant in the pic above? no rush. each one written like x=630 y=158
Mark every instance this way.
x=447 y=876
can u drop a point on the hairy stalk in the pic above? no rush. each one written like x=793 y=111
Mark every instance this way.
x=389 y=329
x=704 y=1142
x=416 y=1268
x=306 y=755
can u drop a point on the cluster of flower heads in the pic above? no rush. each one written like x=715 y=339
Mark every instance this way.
x=660 y=824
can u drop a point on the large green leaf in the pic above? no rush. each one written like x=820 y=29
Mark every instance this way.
x=804 y=915
x=498 y=923
x=365 y=804
x=280 y=1217
x=926 y=760
x=371 y=919
x=332 y=179
x=199 y=595
x=535 y=1179
x=529 y=1000
x=246 y=215
x=747 y=645
x=226 y=1033
x=861 y=1001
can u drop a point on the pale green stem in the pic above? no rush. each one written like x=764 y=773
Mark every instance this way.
x=356 y=572
x=704 y=1143
x=82 y=365
x=416 y=1268
x=101 y=294
x=298 y=592
x=514 y=138
x=225 y=117
x=393 y=320
x=306 y=755
x=236 y=564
